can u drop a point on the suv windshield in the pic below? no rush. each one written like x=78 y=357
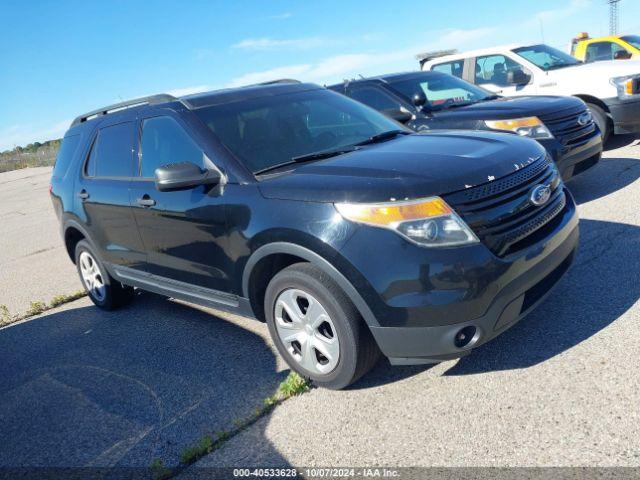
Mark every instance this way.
x=442 y=91
x=632 y=40
x=277 y=129
x=546 y=57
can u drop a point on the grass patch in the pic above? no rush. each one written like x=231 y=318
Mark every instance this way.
x=159 y=471
x=62 y=299
x=291 y=386
x=38 y=307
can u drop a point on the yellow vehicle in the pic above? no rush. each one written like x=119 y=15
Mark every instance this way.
x=614 y=47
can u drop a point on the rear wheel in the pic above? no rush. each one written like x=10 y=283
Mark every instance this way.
x=103 y=290
x=602 y=120
x=317 y=329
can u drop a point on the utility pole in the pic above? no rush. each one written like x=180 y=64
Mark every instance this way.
x=613 y=16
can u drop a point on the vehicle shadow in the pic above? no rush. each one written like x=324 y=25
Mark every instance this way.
x=84 y=387
x=620 y=141
x=609 y=176
x=600 y=287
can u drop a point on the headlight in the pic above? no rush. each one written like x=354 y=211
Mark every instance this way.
x=527 y=127
x=429 y=222
x=627 y=86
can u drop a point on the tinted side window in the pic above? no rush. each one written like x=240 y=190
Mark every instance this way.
x=494 y=68
x=164 y=141
x=452 y=68
x=65 y=155
x=375 y=98
x=111 y=152
x=601 y=51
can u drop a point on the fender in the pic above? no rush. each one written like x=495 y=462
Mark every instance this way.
x=318 y=261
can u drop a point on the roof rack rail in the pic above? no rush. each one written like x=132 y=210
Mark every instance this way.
x=149 y=100
x=280 y=80
x=426 y=56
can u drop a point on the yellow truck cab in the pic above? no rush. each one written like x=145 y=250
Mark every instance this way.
x=613 y=47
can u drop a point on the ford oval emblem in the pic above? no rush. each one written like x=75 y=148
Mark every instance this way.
x=584 y=118
x=540 y=195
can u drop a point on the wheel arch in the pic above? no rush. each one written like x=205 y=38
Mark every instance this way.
x=594 y=100
x=73 y=233
x=289 y=253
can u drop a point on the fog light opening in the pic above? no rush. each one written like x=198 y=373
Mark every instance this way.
x=466 y=337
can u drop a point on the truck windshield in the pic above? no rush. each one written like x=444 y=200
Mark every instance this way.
x=277 y=129
x=442 y=91
x=632 y=40
x=546 y=57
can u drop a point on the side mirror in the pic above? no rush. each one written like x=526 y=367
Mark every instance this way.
x=622 y=55
x=419 y=99
x=518 y=77
x=184 y=175
x=398 y=114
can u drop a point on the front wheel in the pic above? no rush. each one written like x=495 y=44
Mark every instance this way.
x=602 y=120
x=103 y=290
x=317 y=329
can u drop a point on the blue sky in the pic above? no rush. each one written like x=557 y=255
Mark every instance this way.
x=61 y=58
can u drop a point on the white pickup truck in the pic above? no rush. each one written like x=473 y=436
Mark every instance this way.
x=611 y=89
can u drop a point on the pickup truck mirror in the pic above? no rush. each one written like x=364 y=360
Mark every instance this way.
x=419 y=99
x=398 y=114
x=622 y=55
x=518 y=77
x=184 y=175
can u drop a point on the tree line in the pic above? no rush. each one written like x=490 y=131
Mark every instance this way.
x=35 y=154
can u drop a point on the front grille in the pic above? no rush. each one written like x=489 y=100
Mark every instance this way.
x=501 y=213
x=565 y=127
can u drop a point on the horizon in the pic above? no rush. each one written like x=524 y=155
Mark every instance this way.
x=51 y=77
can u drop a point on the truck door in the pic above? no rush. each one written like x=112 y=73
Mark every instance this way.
x=503 y=75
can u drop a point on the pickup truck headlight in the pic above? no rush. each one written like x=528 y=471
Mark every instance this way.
x=628 y=86
x=531 y=127
x=428 y=222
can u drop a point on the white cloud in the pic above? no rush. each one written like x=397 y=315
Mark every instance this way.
x=554 y=15
x=281 y=16
x=21 y=135
x=179 y=92
x=288 y=71
x=267 y=43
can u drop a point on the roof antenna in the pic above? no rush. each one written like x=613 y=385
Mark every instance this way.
x=361 y=76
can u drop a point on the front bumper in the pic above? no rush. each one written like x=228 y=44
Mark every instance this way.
x=421 y=316
x=625 y=115
x=575 y=159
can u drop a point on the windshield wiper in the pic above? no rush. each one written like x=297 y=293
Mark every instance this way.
x=491 y=97
x=308 y=158
x=381 y=137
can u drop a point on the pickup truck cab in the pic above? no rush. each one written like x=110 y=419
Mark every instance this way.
x=426 y=101
x=612 y=47
x=610 y=89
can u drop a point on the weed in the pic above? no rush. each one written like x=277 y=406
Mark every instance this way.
x=191 y=454
x=5 y=315
x=61 y=299
x=36 y=308
x=159 y=471
x=293 y=385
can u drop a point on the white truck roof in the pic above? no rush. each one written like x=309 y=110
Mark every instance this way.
x=473 y=53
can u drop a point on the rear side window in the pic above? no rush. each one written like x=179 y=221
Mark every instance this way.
x=375 y=98
x=451 y=68
x=602 y=51
x=111 y=152
x=164 y=141
x=65 y=155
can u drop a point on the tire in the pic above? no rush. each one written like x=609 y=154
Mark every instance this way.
x=103 y=290
x=328 y=319
x=602 y=120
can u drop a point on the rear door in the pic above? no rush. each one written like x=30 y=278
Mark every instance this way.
x=103 y=194
x=184 y=232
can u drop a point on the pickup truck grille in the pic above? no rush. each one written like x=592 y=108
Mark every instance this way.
x=566 y=127
x=502 y=214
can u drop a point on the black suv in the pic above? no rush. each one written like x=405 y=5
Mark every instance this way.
x=347 y=234
x=433 y=100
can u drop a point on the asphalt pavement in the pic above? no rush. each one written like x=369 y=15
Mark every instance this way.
x=82 y=387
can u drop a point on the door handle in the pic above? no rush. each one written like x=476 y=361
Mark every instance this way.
x=146 y=201
x=83 y=194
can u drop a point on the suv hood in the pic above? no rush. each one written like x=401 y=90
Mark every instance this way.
x=510 y=107
x=408 y=167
